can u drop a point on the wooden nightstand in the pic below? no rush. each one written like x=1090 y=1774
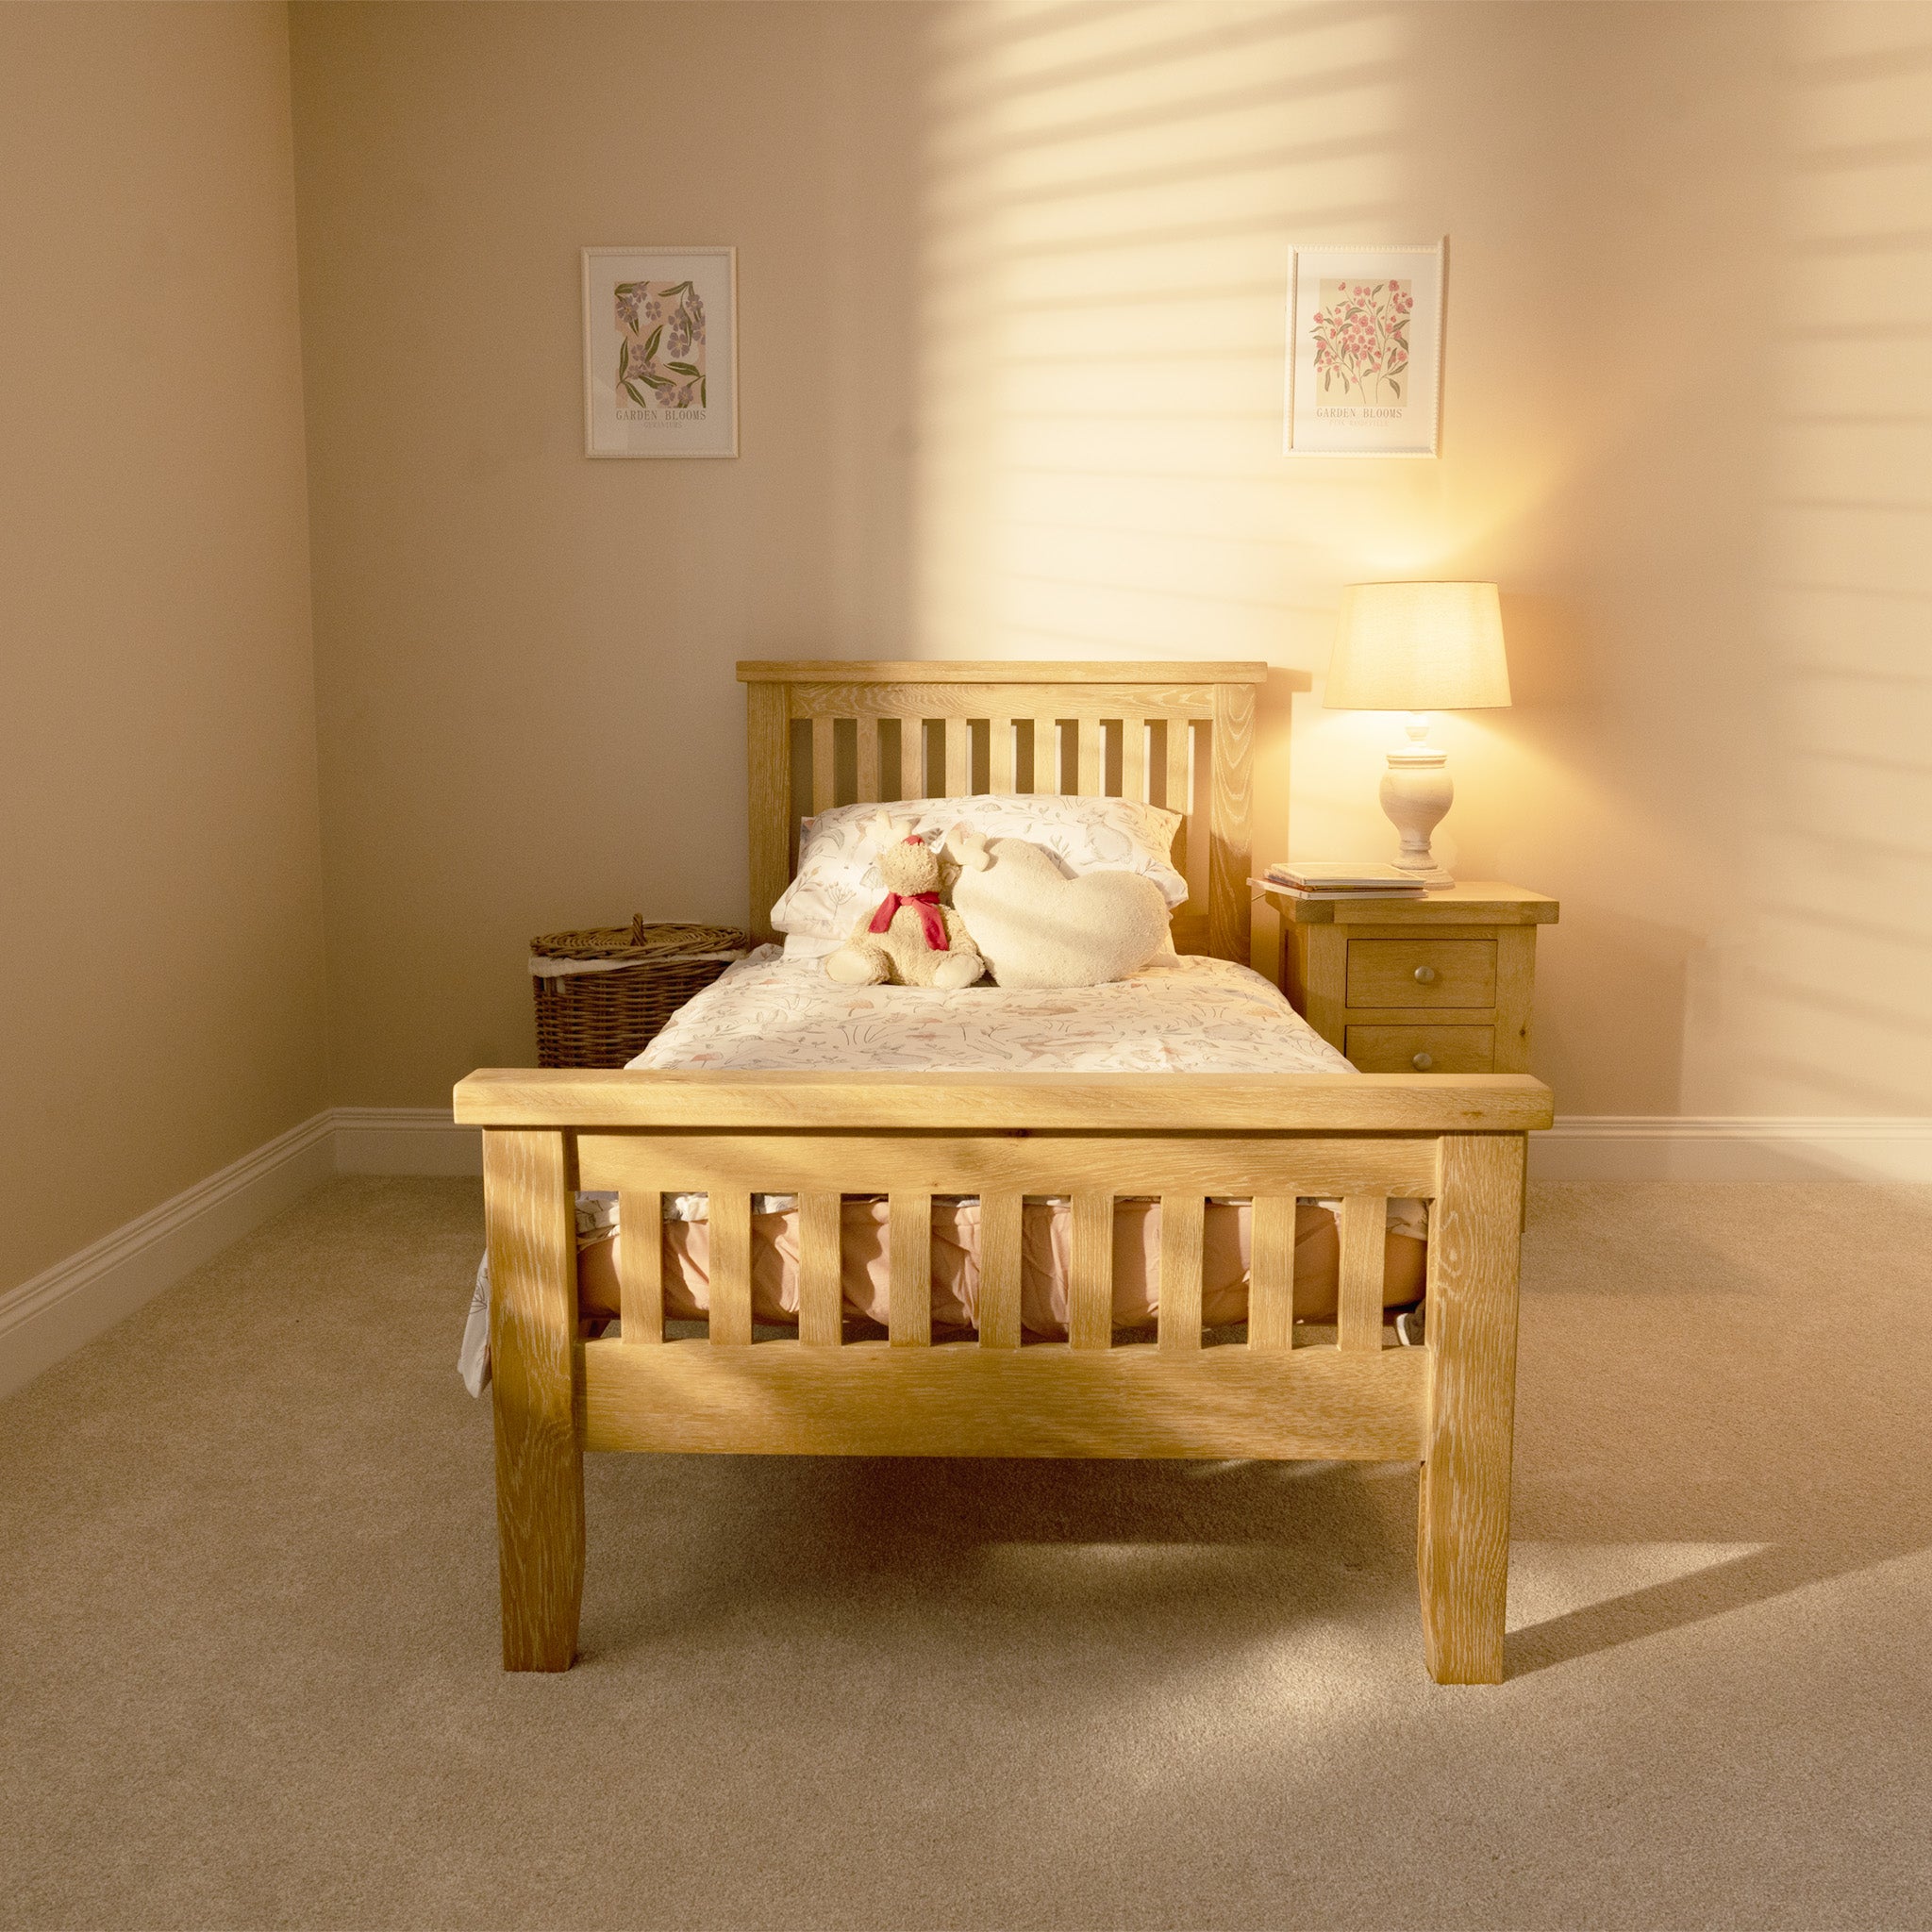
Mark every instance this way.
x=1437 y=985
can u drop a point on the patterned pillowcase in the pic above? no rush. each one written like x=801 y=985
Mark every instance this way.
x=837 y=870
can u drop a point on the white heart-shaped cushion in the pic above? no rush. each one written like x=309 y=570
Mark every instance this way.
x=1040 y=928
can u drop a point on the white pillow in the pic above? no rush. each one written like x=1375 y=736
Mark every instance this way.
x=1038 y=928
x=800 y=945
x=837 y=873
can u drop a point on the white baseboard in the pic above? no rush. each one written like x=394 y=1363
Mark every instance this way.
x=1650 y=1147
x=75 y=1300
x=53 y=1314
x=72 y=1301
x=405 y=1140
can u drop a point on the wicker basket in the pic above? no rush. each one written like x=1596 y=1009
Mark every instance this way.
x=603 y=995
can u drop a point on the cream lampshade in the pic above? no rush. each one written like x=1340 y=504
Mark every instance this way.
x=1418 y=648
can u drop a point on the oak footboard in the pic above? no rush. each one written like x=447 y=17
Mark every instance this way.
x=1458 y=1143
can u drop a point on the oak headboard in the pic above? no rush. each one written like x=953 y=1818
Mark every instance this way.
x=826 y=733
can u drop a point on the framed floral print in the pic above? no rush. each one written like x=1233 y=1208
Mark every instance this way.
x=660 y=352
x=1364 y=351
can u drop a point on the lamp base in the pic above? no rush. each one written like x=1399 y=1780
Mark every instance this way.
x=1416 y=792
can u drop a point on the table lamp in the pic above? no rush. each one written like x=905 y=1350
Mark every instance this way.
x=1418 y=648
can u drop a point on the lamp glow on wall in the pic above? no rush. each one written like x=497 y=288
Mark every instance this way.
x=1418 y=648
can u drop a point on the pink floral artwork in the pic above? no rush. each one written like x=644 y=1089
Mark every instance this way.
x=1362 y=340
x=661 y=351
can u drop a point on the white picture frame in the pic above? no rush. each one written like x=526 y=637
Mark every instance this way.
x=1365 y=350
x=660 y=352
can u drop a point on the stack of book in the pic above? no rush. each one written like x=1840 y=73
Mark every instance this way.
x=1326 y=881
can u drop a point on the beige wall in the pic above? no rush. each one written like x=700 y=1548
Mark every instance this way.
x=161 y=977
x=523 y=658
x=1011 y=340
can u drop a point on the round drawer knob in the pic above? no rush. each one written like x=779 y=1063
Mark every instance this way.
x=1425 y=975
x=1422 y=1063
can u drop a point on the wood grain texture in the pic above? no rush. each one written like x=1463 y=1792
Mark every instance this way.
x=1472 y=902
x=1444 y=1049
x=1462 y=1547
x=821 y=1308
x=1089 y=1271
x=999 y=1268
x=768 y=753
x=534 y=1385
x=730 y=1213
x=1181 y=1222
x=1359 y=1313
x=1046 y=755
x=1324 y=971
x=866 y=761
x=1000 y=756
x=640 y=1264
x=908 y=1261
x=1515 y=995
x=1134 y=758
x=1178 y=793
x=911 y=754
x=1213 y=857
x=1008 y=670
x=1090 y=777
x=872 y=1399
x=1270 y=1272
x=823 y=765
x=1230 y=910
x=927 y=700
x=1033 y=1163
x=1423 y=973
x=593 y=1098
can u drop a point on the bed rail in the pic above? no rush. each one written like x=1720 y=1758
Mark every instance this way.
x=1457 y=1141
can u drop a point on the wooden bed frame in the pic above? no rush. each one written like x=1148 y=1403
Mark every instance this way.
x=1183 y=733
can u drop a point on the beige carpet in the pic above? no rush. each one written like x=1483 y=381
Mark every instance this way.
x=248 y=1643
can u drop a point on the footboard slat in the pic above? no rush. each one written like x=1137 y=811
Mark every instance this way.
x=821 y=1314
x=1364 y=1224
x=1089 y=1278
x=1181 y=1223
x=730 y=1213
x=910 y=1265
x=1000 y=1225
x=640 y=1264
x=1271 y=1273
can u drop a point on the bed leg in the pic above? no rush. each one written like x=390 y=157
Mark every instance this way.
x=1462 y=1546
x=539 y=1463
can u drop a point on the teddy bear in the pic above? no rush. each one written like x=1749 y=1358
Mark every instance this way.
x=910 y=938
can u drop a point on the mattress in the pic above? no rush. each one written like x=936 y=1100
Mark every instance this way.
x=1184 y=1014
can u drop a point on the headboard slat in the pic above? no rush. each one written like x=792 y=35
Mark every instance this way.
x=1217 y=700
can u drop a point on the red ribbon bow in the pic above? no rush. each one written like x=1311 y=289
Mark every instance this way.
x=925 y=904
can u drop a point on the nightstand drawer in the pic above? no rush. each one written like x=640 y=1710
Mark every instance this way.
x=1422 y=973
x=1398 y=1049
